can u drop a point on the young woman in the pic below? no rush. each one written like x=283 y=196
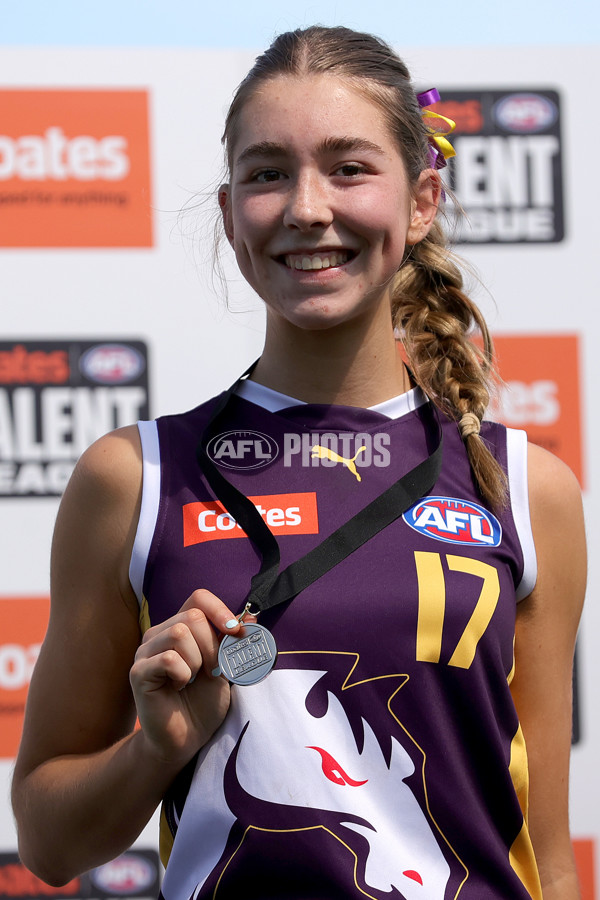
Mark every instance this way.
x=425 y=570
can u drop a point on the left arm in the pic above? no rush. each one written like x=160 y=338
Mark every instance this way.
x=546 y=629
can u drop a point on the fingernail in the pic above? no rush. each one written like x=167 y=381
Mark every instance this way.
x=232 y=623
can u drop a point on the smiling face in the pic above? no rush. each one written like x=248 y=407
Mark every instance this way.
x=319 y=208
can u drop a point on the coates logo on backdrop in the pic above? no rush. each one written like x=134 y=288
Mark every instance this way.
x=74 y=168
x=207 y=520
x=584 y=850
x=23 y=623
x=541 y=392
x=454 y=521
x=56 y=398
x=507 y=172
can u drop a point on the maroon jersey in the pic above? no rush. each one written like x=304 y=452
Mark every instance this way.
x=382 y=757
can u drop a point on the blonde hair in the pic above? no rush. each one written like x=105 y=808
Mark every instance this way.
x=430 y=309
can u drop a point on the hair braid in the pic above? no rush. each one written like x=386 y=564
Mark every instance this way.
x=437 y=320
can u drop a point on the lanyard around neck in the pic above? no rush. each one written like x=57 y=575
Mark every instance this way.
x=269 y=587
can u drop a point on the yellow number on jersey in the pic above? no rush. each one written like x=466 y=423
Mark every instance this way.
x=432 y=604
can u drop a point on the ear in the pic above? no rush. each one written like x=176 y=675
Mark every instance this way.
x=424 y=205
x=225 y=204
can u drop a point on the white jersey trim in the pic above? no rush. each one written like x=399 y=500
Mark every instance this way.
x=399 y=406
x=516 y=451
x=266 y=397
x=149 y=508
x=273 y=401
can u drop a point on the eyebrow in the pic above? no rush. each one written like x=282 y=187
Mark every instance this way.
x=269 y=149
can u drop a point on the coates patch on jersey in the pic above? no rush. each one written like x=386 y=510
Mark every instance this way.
x=208 y=520
x=454 y=521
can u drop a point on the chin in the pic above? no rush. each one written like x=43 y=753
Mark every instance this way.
x=322 y=316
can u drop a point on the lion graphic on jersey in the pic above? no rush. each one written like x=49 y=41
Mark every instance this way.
x=332 y=788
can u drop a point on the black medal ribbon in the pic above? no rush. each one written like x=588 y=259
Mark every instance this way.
x=243 y=659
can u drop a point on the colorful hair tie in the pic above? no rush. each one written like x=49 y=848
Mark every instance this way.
x=437 y=128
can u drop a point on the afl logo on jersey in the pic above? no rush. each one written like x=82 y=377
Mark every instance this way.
x=454 y=521
x=242 y=450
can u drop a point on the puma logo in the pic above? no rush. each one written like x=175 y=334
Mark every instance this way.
x=327 y=453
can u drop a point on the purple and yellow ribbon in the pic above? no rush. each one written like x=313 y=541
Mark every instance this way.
x=437 y=126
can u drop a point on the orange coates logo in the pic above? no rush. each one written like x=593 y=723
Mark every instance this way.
x=208 y=520
x=21 y=366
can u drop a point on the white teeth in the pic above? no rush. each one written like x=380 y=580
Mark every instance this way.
x=316 y=261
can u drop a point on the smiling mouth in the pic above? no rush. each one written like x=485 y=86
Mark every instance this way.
x=331 y=259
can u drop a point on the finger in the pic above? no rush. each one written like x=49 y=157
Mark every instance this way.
x=152 y=673
x=181 y=635
x=191 y=634
x=215 y=611
x=195 y=619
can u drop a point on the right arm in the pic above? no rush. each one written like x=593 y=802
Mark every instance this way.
x=85 y=783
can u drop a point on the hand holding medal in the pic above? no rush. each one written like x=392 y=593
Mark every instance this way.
x=246 y=658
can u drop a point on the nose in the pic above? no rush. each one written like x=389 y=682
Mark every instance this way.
x=308 y=205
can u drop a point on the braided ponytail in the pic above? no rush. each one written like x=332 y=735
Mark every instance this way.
x=436 y=320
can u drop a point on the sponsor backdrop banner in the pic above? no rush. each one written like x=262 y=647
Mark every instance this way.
x=109 y=161
x=56 y=398
x=23 y=622
x=74 y=169
x=540 y=396
x=135 y=874
x=507 y=171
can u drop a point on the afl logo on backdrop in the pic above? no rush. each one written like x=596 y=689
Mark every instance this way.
x=128 y=874
x=112 y=364
x=525 y=113
x=454 y=521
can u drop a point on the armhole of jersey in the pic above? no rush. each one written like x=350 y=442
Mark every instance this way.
x=516 y=450
x=149 y=507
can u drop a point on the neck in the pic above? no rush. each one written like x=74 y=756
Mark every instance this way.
x=347 y=366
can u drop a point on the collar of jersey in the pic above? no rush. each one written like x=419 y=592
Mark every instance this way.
x=273 y=401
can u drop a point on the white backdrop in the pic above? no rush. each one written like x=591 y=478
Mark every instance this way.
x=162 y=294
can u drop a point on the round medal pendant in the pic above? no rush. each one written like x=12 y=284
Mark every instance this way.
x=248 y=658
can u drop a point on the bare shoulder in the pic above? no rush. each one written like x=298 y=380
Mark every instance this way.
x=95 y=529
x=551 y=482
x=100 y=507
x=113 y=463
x=558 y=526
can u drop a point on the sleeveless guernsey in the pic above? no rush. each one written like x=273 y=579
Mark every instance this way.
x=382 y=757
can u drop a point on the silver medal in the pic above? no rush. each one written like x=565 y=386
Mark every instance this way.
x=247 y=658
